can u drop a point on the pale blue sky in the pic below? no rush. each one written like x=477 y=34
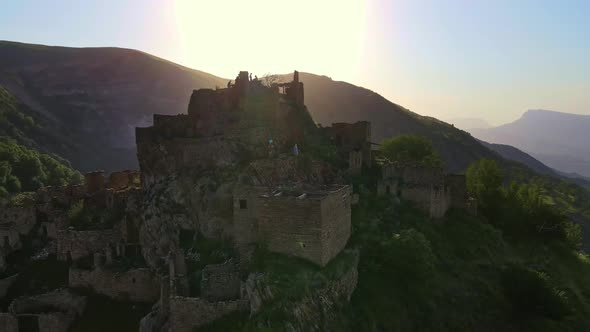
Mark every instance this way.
x=486 y=59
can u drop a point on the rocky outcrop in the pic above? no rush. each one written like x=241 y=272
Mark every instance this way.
x=315 y=311
x=182 y=202
x=187 y=313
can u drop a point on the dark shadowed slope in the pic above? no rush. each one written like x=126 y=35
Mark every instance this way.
x=332 y=101
x=560 y=140
x=95 y=97
x=512 y=153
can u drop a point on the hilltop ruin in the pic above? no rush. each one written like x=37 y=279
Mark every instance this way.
x=239 y=172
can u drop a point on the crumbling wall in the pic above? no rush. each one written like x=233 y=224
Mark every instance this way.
x=74 y=245
x=6 y=283
x=245 y=199
x=417 y=194
x=56 y=301
x=272 y=172
x=14 y=222
x=440 y=200
x=336 y=223
x=352 y=137
x=8 y=322
x=220 y=282
x=387 y=187
x=160 y=159
x=54 y=322
x=425 y=175
x=94 y=181
x=137 y=285
x=355 y=161
x=188 y=314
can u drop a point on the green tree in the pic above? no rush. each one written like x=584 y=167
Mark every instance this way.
x=484 y=181
x=410 y=148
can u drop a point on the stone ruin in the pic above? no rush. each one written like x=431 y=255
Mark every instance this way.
x=295 y=211
x=221 y=126
x=249 y=130
x=428 y=187
x=54 y=311
x=42 y=223
x=353 y=141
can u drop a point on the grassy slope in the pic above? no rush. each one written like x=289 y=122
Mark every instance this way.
x=463 y=292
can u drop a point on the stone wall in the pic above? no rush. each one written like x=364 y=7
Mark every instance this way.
x=355 y=161
x=77 y=244
x=422 y=175
x=220 y=282
x=5 y=284
x=188 y=314
x=336 y=223
x=14 y=222
x=54 y=322
x=137 y=285
x=440 y=201
x=94 y=181
x=352 y=137
x=292 y=226
x=245 y=212
x=159 y=159
x=8 y=322
x=286 y=169
x=56 y=301
x=387 y=187
x=315 y=226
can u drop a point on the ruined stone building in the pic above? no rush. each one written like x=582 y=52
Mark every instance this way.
x=428 y=187
x=312 y=223
x=272 y=196
x=222 y=126
x=252 y=123
x=53 y=311
x=354 y=142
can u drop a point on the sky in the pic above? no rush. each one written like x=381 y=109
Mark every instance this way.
x=458 y=58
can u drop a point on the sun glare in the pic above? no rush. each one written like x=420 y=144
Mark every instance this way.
x=223 y=37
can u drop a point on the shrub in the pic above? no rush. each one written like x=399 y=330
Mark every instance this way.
x=484 y=181
x=410 y=149
x=530 y=294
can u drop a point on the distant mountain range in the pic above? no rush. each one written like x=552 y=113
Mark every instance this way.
x=559 y=140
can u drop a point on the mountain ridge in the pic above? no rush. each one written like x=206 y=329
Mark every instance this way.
x=557 y=139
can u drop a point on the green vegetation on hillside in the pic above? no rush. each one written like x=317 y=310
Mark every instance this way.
x=514 y=268
x=22 y=166
x=25 y=169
